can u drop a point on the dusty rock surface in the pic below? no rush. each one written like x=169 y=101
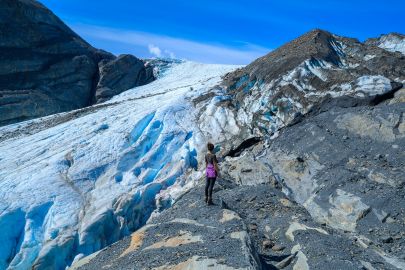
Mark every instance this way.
x=249 y=227
x=345 y=167
x=189 y=235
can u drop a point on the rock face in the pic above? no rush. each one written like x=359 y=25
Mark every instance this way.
x=120 y=74
x=46 y=68
x=345 y=167
x=340 y=226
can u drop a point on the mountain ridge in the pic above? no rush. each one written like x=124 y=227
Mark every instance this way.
x=300 y=74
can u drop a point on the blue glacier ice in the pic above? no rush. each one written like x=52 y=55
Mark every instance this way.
x=72 y=188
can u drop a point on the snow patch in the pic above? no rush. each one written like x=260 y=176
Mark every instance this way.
x=392 y=43
x=372 y=85
x=369 y=57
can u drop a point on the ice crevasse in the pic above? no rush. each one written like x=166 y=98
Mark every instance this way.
x=73 y=188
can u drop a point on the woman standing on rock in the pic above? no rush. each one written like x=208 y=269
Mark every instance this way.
x=212 y=172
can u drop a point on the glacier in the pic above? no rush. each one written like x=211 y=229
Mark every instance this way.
x=73 y=186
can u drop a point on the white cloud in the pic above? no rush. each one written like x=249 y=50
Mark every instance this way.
x=244 y=53
x=155 y=50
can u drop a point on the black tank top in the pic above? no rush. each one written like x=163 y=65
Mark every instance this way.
x=210 y=158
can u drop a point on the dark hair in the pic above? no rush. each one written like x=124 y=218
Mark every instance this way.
x=210 y=146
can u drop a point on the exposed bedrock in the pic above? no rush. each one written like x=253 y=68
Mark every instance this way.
x=46 y=68
x=345 y=167
x=393 y=42
x=187 y=236
x=120 y=74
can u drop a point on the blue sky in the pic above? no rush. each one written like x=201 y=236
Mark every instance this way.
x=220 y=31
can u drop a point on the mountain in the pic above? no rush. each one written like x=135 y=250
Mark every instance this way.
x=285 y=84
x=46 y=68
x=310 y=141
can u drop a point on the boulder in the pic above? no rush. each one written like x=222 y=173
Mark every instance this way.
x=120 y=74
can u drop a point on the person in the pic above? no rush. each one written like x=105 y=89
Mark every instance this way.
x=212 y=172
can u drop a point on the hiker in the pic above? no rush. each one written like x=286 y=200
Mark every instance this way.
x=212 y=172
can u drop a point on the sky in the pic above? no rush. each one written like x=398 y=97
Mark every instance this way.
x=220 y=31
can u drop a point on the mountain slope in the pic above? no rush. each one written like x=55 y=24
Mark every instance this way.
x=46 y=68
x=277 y=88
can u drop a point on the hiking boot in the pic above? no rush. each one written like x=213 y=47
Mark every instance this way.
x=209 y=201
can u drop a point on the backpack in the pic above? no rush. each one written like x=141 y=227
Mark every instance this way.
x=210 y=171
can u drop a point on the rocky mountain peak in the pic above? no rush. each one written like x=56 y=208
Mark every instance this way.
x=314 y=44
x=316 y=66
x=395 y=35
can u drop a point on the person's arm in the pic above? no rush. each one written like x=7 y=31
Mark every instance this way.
x=216 y=164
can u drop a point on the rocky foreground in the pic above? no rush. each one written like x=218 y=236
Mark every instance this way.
x=342 y=206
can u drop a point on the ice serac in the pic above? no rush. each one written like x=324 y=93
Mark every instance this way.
x=46 y=68
x=75 y=182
